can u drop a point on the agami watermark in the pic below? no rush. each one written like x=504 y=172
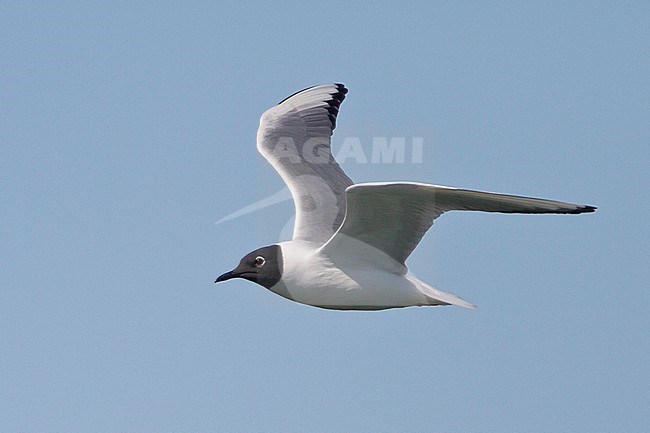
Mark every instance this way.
x=380 y=150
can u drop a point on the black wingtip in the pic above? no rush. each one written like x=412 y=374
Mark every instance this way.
x=341 y=87
x=335 y=102
x=584 y=209
x=341 y=90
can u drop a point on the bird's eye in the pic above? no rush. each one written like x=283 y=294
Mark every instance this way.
x=259 y=261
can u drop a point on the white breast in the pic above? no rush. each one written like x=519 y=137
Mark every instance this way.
x=310 y=278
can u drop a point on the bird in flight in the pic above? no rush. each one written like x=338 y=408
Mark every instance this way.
x=351 y=241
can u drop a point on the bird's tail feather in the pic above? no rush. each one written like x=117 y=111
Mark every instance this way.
x=438 y=297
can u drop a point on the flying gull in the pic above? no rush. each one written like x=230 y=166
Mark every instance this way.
x=351 y=241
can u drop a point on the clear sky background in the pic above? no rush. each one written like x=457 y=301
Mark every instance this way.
x=128 y=129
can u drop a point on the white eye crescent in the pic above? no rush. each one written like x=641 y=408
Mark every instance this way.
x=259 y=261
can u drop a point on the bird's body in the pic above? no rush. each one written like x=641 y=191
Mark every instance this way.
x=350 y=241
x=311 y=277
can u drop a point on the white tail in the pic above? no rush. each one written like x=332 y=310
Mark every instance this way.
x=438 y=297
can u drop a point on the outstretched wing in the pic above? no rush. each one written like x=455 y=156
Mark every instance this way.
x=393 y=217
x=294 y=136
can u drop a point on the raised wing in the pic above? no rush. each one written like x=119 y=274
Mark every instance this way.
x=393 y=217
x=294 y=136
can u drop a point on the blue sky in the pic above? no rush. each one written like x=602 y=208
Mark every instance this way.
x=127 y=130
